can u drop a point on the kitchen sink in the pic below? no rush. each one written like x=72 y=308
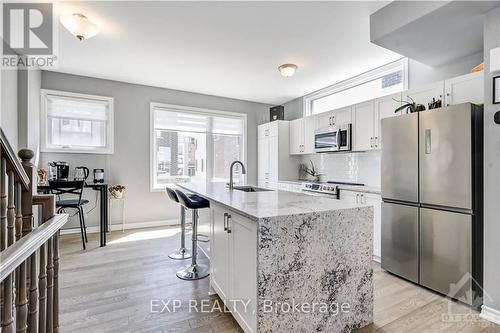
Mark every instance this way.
x=248 y=188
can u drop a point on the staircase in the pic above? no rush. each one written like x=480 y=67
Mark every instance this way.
x=29 y=250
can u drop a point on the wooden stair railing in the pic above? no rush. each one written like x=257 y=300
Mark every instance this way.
x=29 y=251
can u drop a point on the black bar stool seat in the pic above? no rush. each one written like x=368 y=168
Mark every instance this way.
x=195 y=202
x=195 y=271
x=182 y=252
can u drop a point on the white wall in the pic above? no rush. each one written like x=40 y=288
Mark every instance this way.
x=129 y=165
x=491 y=172
x=9 y=106
x=29 y=83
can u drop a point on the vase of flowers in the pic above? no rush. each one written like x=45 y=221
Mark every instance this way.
x=117 y=191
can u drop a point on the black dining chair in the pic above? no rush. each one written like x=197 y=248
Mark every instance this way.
x=76 y=188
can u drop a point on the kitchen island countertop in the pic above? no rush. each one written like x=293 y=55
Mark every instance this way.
x=257 y=205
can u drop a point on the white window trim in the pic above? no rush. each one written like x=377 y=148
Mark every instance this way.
x=44 y=148
x=353 y=82
x=187 y=109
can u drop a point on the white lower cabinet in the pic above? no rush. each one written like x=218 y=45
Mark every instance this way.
x=233 y=264
x=376 y=201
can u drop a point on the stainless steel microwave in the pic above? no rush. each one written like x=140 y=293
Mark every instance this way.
x=333 y=139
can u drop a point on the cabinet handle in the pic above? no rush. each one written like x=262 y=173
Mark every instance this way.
x=228 y=219
x=376 y=141
x=357 y=198
x=225 y=217
x=330 y=121
x=371 y=142
x=333 y=120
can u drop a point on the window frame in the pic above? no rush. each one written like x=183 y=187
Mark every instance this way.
x=193 y=110
x=353 y=82
x=46 y=148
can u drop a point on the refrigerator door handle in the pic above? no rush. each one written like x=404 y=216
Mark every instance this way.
x=428 y=141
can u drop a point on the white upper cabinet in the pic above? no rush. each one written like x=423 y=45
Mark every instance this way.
x=334 y=118
x=465 y=88
x=343 y=116
x=263 y=131
x=425 y=94
x=297 y=136
x=457 y=90
x=310 y=125
x=384 y=108
x=364 y=126
x=302 y=135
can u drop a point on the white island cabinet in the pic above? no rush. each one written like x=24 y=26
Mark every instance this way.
x=272 y=249
x=234 y=264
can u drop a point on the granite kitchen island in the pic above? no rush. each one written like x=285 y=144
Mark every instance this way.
x=289 y=262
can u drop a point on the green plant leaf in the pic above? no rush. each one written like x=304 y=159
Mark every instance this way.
x=402 y=107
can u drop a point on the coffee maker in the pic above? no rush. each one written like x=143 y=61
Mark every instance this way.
x=59 y=170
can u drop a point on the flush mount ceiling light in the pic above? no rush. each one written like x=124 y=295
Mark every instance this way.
x=80 y=26
x=287 y=70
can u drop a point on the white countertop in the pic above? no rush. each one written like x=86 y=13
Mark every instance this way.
x=256 y=205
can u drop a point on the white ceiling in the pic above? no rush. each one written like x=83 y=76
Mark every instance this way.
x=229 y=49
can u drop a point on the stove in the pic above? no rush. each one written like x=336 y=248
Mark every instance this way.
x=328 y=188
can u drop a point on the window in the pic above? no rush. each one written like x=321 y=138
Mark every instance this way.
x=76 y=123
x=382 y=81
x=192 y=144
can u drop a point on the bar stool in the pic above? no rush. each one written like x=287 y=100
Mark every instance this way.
x=182 y=253
x=195 y=271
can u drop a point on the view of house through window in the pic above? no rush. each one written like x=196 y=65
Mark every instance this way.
x=194 y=145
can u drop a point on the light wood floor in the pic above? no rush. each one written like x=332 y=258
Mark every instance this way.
x=110 y=290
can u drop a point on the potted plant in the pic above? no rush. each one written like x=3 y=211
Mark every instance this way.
x=410 y=106
x=117 y=191
x=310 y=172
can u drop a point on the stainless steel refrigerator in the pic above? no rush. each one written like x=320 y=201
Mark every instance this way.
x=432 y=191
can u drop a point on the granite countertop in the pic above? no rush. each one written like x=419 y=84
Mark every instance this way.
x=257 y=205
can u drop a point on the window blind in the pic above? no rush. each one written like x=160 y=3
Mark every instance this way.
x=76 y=109
x=200 y=123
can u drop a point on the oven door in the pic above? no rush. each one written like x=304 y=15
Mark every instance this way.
x=325 y=141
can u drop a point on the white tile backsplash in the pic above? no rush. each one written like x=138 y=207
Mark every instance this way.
x=348 y=167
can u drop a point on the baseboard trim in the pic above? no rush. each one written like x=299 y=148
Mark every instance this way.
x=376 y=258
x=127 y=226
x=490 y=314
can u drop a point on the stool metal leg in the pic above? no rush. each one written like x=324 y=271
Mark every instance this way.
x=195 y=271
x=182 y=253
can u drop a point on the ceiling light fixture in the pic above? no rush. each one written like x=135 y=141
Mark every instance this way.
x=287 y=70
x=80 y=26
